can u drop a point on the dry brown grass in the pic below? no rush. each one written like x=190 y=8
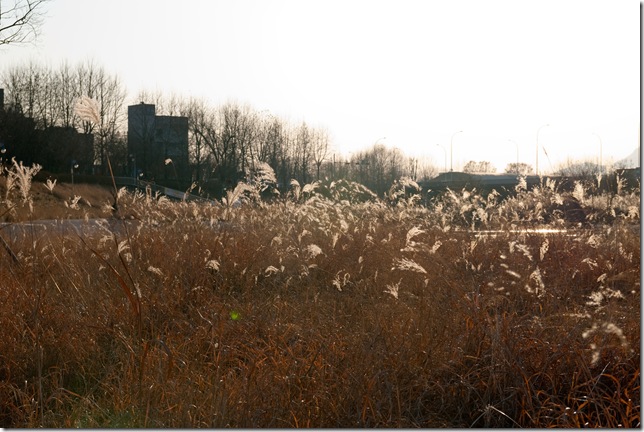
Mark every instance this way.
x=206 y=316
x=58 y=203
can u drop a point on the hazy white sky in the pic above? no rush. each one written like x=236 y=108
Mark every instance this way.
x=415 y=72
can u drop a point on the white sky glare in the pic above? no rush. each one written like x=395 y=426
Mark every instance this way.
x=413 y=71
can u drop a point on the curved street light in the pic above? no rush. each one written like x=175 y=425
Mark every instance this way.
x=539 y=130
x=451 y=150
x=376 y=141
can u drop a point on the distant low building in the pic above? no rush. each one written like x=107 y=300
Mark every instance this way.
x=157 y=145
x=66 y=147
x=56 y=148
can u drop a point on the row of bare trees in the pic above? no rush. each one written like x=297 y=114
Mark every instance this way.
x=225 y=142
x=47 y=96
x=379 y=166
x=20 y=20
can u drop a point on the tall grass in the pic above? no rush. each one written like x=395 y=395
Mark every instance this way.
x=326 y=308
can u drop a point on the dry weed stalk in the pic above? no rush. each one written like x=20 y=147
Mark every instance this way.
x=323 y=309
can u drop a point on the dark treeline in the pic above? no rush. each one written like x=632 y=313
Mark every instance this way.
x=39 y=125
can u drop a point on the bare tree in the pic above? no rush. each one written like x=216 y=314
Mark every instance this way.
x=396 y=164
x=229 y=133
x=111 y=96
x=378 y=160
x=199 y=116
x=482 y=167
x=425 y=169
x=24 y=87
x=12 y=83
x=164 y=105
x=67 y=93
x=47 y=108
x=273 y=141
x=319 y=148
x=580 y=169
x=248 y=134
x=520 y=168
x=93 y=81
x=302 y=151
x=48 y=97
x=45 y=95
x=20 y=20
x=380 y=166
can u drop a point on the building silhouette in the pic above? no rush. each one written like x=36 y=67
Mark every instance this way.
x=58 y=149
x=157 y=145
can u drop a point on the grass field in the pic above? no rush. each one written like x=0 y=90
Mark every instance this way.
x=320 y=309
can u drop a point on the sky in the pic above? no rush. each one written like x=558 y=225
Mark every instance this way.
x=446 y=81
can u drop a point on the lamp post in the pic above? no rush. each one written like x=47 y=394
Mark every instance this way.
x=537 y=162
x=73 y=166
x=445 y=154
x=451 y=151
x=3 y=150
x=133 y=159
x=601 y=168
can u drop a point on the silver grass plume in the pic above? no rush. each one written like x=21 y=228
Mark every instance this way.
x=87 y=109
x=409 y=265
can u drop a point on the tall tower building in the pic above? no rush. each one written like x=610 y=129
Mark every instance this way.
x=157 y=145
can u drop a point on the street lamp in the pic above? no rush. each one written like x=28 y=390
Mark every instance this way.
x=133 y=159
x=539 y=130
x=444 y=154
x=3 y=150
x=451 y=150
x=73 y=166
x=601 y=168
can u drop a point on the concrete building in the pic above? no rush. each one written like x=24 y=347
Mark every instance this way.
x=157 y=145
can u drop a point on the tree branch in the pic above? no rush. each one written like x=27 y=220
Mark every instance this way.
x=21 y=21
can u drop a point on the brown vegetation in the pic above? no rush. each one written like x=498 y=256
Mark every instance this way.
x=313 y=312
x=94 y=202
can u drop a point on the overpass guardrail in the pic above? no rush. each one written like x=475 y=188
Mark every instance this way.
x=155 y=188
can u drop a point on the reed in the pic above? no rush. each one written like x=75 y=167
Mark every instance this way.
x=325 y=309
